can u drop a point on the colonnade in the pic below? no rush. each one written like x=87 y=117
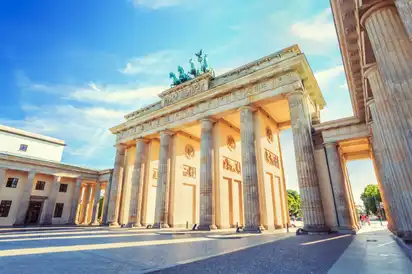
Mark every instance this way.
x=390 y=78
x=253 y=188
x=80 y=207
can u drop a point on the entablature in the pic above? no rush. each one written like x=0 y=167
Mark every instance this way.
x=180 y=105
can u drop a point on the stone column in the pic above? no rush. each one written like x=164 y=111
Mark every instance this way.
x=25 y=199
x=392 y=118
x=115 y=188
x=51 y=201
x=405 y=12
x=136 y=193
x=343 y=204
x=105 y=202
x=387 y=169
x=95 y=214
x=377 y=164
x=207 y=218
x=74 y=212
x=162 y=189
x=87 y=198
x=3 y=175
x=251 y=203
x=311 y=202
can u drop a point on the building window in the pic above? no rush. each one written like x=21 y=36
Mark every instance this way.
x=5 y=208
x=63 y=188
x=58 y=210
x=23 y=147
x=12 y=182
x=40 y=185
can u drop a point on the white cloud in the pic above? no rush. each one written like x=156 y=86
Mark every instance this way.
x=124 y=94
x=156 y=63
x=336 y=94
x=120 y=94
x=85 y=130
x=157 y=4
x=328 y=76
x=316 y=35
x=318 y=29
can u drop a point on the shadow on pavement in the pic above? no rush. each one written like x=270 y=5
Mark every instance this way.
x=299 y=254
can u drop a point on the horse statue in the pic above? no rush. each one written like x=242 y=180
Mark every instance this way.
x=205 y=65
x=183 y=77
x=193 y=71
x=199 y=56
x=176 y=81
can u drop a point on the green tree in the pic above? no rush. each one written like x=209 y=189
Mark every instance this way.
x=370 y=196
x=294 y=202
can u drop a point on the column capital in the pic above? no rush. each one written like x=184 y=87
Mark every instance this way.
x=366 y=10
x=330 y=144
x=250 y=108
x=141 y=140
x=208 y=119
x=372 y=68
x=300 y=92
x=31 y=173
x=370 y=102
x=166 y=132
x=57 y=178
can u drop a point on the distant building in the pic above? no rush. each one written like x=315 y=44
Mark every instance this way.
x=22 y=143
x=36 y=188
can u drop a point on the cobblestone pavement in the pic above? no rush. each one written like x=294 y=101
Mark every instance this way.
x=100 y=250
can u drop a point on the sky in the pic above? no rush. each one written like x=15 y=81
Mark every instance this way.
x=73 y=69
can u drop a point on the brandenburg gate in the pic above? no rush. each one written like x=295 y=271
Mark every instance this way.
x=208 y=152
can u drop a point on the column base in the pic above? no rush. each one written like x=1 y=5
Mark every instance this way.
x=114 y=224
x=407 y=236
x=158 y=225
x=95 y=224
x=309 y=229
x=137 y=225
x=206 y=227
x=253 y=229
x=344 y=230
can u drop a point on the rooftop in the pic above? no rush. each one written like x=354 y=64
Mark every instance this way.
x=36 y=136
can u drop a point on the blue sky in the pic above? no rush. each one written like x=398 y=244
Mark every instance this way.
x=72 y=69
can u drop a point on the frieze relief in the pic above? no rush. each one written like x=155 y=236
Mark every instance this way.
x=271 y=158
x=189 y=171
x=186 y=92
x=201 y=107
x=155 y=173
x=231 y=165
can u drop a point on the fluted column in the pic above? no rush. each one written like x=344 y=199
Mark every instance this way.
x=207 y=218
x=105 y=202
x=251 y=203
x=311 y=202
x=25 y=199
x=162 y=189
x=74 y=212
x=51 y=201
x=343 y=203
x=87 y=199
x=115 y=187
x=392 y=121
x=387 y=168
x=136 y=193
x=405 y=12
x=96 y=201
x=376 y=156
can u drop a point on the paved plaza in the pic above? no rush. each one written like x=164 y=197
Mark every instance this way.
x=123 y=250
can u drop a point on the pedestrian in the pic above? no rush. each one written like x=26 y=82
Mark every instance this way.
x=363 y=219
x=367 y=220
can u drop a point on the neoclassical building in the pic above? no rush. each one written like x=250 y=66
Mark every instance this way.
x=208 y=151
x=37 y=189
